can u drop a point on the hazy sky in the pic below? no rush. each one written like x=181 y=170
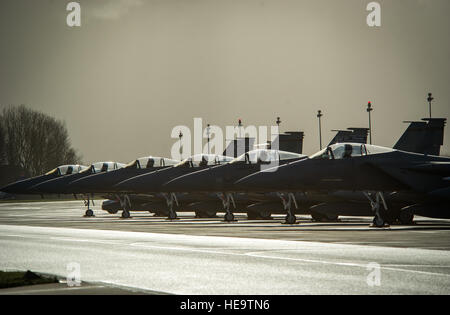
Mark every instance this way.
x=135 y=69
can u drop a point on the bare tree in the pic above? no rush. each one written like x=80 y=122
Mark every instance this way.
x=35 y=141
x=2 y=144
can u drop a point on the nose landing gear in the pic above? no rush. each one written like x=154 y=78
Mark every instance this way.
x=380 y=219
x=287 y=204
x=227 y=199
x=87 y=203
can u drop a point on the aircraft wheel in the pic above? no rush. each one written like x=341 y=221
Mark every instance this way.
x=89 y=213
x=406 y=217
x=378 y=221
x=291 y=219
x=172 y=216
x=126 y=215
x=229 y=217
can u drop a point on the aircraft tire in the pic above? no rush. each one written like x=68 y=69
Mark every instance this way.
x=126 y=215
x=89 y=213
x=229 y=217
x=291 y=219
x=378 y=221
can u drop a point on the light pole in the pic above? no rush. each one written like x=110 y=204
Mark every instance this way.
x=239 y=126
x=208 y=127
x=319 y=115
x=430 y=99
x=180 y=135
x=369 y=109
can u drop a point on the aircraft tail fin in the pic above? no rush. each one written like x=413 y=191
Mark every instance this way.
x=290 y=141
x=239 y=146
x=355 y=135
x=425 y=137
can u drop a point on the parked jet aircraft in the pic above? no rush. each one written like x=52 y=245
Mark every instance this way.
x=104 y=182
x=371 y=169
x=222 y=178
x=152 y=183
x=60 y=185
x=22 y=186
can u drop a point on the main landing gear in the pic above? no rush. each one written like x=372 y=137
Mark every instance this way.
x=125 y=204
x=227 y=199
x=287 y=201
x=380 y=218
x=171 y=198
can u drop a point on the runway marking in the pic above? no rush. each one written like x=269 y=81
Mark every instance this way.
x=71 y=239
x=257 y=255
x=347 y=264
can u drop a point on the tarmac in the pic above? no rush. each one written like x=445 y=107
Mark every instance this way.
x=152 y=255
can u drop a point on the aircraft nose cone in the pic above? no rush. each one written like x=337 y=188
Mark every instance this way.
x=14 y=188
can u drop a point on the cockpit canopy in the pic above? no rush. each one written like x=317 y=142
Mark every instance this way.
x=204 y=160
x=100 y=167
x=67 y=170
x=346 y=150
x=151 y=161
x=265 y=156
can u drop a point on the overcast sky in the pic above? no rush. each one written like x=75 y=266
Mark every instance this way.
x=135 y=69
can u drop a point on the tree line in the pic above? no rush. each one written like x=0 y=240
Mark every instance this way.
x=34 y=141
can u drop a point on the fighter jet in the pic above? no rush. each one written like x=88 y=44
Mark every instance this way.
x=22 y=186
x=220 y=178
x=152 y=183
x=370 y=169
x=60 y=185
x=105 y=183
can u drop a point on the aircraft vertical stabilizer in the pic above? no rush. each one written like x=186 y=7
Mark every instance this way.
x=239 y=146
x=425 y=137
x=355 y=135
